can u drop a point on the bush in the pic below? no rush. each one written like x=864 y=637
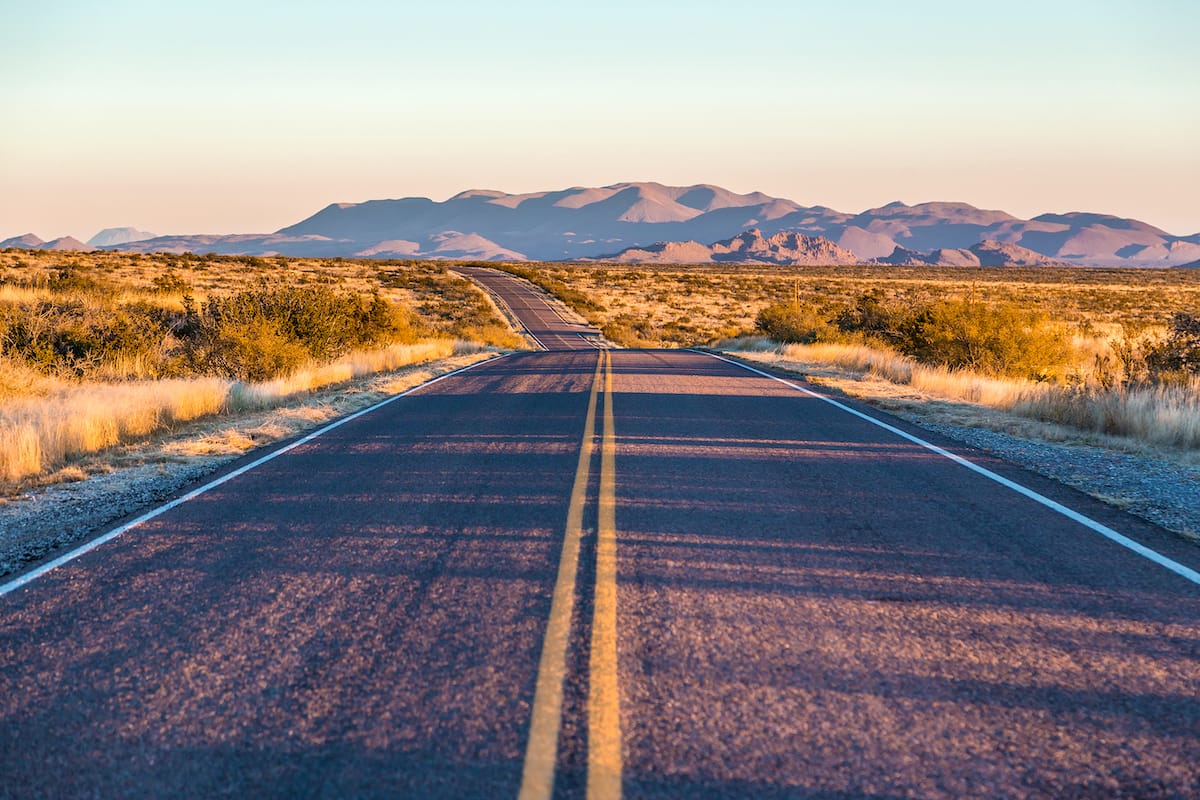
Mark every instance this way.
x=794 y=323
x=991 y=338
x=995 y=339
x=73 y=340
x=628 y=330
x=876 y=318
x=266 y=333
x=1179 y=352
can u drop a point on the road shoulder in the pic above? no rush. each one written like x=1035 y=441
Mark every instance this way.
x=97 y=492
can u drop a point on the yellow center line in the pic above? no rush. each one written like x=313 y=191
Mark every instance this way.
x=537 y=777
x=604 y=711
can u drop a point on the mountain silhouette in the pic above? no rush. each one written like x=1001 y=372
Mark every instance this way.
x=591 y=222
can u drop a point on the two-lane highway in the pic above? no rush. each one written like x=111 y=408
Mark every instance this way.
x=648 y=573
x=533 y=310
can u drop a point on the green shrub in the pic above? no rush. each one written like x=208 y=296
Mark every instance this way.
x=874 y=317
x=794 y=323
x=630 y=331
x=995 y=339
x=266 y=333
x=70 y=339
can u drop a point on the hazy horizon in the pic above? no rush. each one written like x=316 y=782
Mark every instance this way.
x=232 y=118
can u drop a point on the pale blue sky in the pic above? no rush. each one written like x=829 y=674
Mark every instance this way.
x=245 y=117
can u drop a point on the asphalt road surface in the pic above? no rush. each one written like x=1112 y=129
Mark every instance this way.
x=591 y=572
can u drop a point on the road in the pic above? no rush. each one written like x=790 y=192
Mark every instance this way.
x=535 y=311
x=598 y=573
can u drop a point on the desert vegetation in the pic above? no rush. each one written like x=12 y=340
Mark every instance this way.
x=102 y=349
x=1113 y=351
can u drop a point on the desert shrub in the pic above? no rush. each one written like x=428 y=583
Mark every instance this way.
x=265 y=333
x=1179 y=351
x=169 y=282
x=630 y=331
x=994 y=339
x=874 y=317
x=991 y=338
x=794 y=323
x=71 y=339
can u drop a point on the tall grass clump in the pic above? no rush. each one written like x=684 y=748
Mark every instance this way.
x=43 y=433
x=267 y=394
x=1166 y=415
x=39 y=434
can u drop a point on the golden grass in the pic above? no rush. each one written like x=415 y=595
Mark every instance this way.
x=48 y=418
x=680 y=305
x=1165 y=415
x=253 y=396
x=41 y=434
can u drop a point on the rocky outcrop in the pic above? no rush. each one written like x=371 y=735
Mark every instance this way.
x=749 y=247
x=983 y=254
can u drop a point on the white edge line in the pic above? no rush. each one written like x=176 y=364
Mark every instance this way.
x=1105 y=531
x=33 y=575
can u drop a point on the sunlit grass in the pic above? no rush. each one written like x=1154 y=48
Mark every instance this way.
x=1162 y=415
x=38 y=434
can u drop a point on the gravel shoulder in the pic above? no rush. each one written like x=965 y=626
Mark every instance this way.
x=1160 y=486
x=44 y=522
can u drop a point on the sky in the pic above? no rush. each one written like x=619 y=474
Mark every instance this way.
x=245 y=117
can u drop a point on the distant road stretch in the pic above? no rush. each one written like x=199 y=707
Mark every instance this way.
x=591 y=572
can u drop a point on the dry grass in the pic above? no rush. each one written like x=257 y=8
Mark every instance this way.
x=41 y=434
x=253 y=396
x=679 y=305
x=1166 y=416
x=38 y=435
x=53 y=413
x=682 y=306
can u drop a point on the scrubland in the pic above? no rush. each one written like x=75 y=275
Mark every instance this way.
x=1113 y=352
x=103 y=349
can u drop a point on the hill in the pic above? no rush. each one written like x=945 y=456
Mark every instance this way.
x=65 y=243
x=110 y=236
x=27 y=241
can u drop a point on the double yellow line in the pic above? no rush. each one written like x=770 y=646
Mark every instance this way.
x=604 y=717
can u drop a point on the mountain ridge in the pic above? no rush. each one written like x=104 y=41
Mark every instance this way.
x=580 y=223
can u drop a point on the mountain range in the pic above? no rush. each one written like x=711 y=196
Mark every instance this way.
x=635 y=222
